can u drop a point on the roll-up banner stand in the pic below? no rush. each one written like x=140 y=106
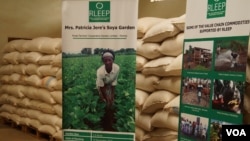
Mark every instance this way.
x=214 y=68
x=99 y=46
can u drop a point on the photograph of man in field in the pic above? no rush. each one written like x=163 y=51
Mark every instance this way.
x=107 y=76
x=231 y=55
x=99 y=89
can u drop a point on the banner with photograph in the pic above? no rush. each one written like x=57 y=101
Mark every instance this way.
x=99 y=46
x=214 y=67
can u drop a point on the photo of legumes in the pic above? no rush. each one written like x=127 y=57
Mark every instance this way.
x=83 y=107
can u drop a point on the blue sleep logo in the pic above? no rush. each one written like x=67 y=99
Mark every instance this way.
x=99 y=11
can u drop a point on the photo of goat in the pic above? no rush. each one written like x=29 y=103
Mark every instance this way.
x=231 y=55
x=228 y=95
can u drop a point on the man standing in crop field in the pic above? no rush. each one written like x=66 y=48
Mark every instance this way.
x=107 y=77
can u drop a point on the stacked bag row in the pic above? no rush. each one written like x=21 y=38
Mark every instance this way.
x=31 y=84
x=158 y=77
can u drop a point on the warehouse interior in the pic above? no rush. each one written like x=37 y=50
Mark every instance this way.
x=43 y=18
x=28 y=19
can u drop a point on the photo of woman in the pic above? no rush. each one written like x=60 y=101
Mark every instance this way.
x=106 y=81
x=107 y=76
x=99 y=86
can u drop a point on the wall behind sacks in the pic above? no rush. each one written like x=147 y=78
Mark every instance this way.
x=29 y=19
x=162 y=8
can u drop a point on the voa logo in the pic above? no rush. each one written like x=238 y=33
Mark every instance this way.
x=236 y=132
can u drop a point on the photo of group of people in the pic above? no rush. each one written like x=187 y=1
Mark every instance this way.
x=196 y=91
x=207 y=85
x=194 y=127
x=224 y=95
x=220 y=56
x=200 y=128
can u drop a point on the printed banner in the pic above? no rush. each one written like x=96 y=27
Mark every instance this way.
x=214 y=67
x=99 y=46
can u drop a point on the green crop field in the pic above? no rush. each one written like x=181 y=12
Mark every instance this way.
x=82 y=108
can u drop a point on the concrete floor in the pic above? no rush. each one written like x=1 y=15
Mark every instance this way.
x=9 y=133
